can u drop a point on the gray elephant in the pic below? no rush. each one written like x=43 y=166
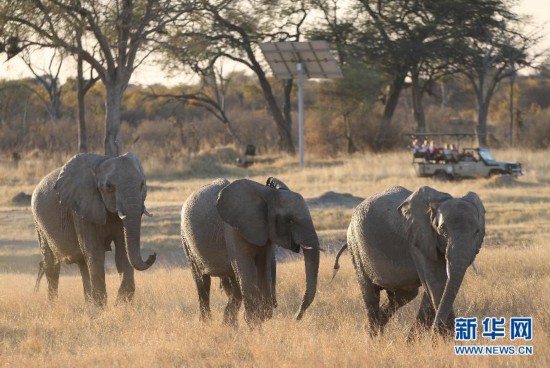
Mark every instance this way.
x=230 y=230
x=401 y=240
x=79 y=209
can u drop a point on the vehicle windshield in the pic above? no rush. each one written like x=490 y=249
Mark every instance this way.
x=486 y=155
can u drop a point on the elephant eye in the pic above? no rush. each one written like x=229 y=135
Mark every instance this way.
x=109 y=187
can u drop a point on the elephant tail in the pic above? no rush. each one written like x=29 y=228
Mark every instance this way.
x=41 y=270
x=336 y=265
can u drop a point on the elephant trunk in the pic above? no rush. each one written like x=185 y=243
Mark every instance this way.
x=311 y=260
x=454 y=280
x=132 y=229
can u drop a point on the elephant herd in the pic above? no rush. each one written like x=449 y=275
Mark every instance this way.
x=399 y=240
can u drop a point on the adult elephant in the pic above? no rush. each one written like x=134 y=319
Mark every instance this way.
x=230 y=230
x=401 y=240
x=79 y=209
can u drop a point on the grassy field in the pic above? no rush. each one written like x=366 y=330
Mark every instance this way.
x=162 y=328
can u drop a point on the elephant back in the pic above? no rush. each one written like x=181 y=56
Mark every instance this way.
x=377 y=233
x=202 y=229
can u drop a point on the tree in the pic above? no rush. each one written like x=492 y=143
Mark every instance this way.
x=232 y=29
x=210 y=95
x=83 y=86
x=122 y=30
x=48 y=80
x=496 y=51
x=419 y=40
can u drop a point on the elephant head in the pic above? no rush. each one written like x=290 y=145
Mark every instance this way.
x=440 y=225
x=263 y=213
x=92 y=185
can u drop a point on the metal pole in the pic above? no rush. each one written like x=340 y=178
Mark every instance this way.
x=299 y=68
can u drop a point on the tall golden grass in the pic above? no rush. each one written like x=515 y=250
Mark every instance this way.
x=161 y=327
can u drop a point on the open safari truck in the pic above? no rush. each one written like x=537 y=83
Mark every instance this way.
x=447 y=161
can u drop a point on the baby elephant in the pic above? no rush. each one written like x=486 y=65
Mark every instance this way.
x=401 y=240
x=230 y=230
x=79 y=209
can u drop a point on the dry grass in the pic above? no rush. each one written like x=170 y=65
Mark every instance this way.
x=161 y=328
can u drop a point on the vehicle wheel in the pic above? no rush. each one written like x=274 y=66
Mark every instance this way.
x=442 y=176
x=494 y=173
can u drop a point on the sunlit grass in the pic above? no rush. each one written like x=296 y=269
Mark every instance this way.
x=162 y=327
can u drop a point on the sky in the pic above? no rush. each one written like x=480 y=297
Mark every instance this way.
x=149 y=73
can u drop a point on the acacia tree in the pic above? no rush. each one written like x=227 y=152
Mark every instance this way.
x=498 y=52
x=233 y=29
x=420 y=40
x=209 y=94
x=122 y=29
x=48 y=79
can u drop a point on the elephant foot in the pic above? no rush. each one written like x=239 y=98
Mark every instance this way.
x=206 y=316
x=419 y=329
x=99 y=301
x=443 y=331
x=124 y=297
x=230 y=321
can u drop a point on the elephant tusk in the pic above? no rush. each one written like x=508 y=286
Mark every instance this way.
x=448 y=271
x=306 y=247
x=121 y=215
x=474 y=266
x=146 y=213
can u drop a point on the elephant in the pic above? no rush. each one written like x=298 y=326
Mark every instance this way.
x=79 y=209
x=230 y=230
x=400 y=240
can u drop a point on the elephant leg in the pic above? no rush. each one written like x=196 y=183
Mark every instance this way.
x=426 y=312
x=52 y=270
x=96 y=269
x=265 y=282
x=85 y=281
x=203 y=288
x=48 y=266
x=435 y=281
x=273 y=279
x=229 y=284
x=41 y=271
x=126 y=271
x=91 y=240
x=245 y=267
x=396 y=299
x=371 y=297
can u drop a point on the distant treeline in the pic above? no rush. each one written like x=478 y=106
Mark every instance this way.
x=422 y=66
x=335 y=123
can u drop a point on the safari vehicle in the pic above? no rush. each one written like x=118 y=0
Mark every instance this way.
x=451 y=163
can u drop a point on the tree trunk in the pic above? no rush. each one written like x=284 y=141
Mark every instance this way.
x=482 y=113
x=113 y=102
x=56 y=102
x=352 y=148
x=383 y=136
x=284 y=127
x=82 y=140
x=418 y=108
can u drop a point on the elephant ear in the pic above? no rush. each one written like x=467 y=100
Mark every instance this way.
x=473 y=198
x=77 y=187
x=276 y=183
x=241 y=204
x=135 y=161
x=419 y=210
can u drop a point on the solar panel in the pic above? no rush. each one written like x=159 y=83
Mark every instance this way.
x=315 y=56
